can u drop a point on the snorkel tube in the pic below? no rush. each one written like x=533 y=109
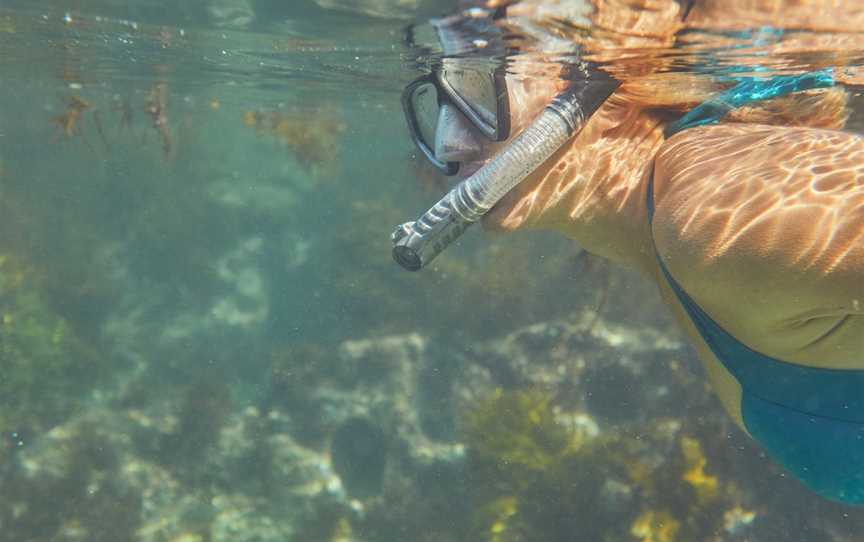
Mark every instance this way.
x=417 y=243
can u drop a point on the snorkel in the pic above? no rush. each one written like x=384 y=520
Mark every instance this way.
x=417 y=243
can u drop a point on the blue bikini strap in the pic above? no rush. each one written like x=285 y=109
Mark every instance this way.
x=747 y=91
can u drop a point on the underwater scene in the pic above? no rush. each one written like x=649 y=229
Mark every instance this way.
x=243 y=297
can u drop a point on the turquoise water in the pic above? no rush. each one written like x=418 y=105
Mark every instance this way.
x=203 y=336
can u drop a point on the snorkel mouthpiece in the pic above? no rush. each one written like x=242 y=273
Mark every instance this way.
x=418 y=243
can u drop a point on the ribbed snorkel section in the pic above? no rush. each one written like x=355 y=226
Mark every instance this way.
x=417 y=243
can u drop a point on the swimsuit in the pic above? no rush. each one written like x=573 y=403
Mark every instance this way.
x=746 y=91
x=810 y=419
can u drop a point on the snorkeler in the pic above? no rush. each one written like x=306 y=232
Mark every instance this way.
x=751 y=223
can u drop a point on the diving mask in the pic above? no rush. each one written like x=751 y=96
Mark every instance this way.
x=465 y=98
x=417 y=243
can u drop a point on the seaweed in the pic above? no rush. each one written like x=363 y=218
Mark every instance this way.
x=45 y=366
x=203 y=413
x=535 y=477
x=519 y=457
x=313 y=137
x=517 y=433
x=73 y=500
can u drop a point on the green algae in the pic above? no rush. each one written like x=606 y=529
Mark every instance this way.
x=517 y=431
x=536 y=478
x=45 y=367
x=517 y=451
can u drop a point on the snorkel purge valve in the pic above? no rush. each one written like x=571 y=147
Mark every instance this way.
x=417 y=243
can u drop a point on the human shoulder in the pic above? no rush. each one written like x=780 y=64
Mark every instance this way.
x=764 y=227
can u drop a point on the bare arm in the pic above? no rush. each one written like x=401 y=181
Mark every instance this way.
x=764 y=227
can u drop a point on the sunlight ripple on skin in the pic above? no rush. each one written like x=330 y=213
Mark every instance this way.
x=739 y=223
x=758 y=220
x=764 y=196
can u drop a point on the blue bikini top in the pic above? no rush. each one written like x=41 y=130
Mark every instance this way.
x=829 y=393
x=749 y=90
x=809 y=419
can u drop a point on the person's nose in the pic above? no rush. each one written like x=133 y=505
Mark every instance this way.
x=455 y=138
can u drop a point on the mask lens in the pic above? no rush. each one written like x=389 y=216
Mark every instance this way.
x=424 y=103
x=477 y=91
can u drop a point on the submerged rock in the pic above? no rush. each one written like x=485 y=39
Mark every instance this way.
x=558 y=429
x=359 y=450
